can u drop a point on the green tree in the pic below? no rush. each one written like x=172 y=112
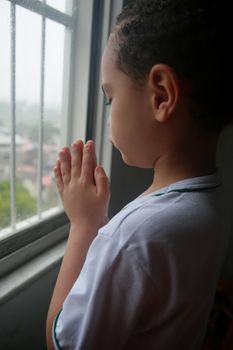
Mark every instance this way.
x=25 y=203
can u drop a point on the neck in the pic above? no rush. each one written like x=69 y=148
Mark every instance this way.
x=185 y=161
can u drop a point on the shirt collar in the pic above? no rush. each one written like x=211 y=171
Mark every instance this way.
x=200 y=183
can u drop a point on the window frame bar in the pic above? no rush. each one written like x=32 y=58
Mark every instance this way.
x=100 y=126
x=41 y=133
x=13 y=121
x=96 y=38
x=47 y=11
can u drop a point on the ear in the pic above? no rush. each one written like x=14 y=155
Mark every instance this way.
x=165 y=89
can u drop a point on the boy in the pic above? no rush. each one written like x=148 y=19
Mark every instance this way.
x=147 y=278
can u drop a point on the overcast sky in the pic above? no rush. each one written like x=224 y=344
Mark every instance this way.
x=28 y=55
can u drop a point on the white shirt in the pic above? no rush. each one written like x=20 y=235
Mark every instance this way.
x=150 y=275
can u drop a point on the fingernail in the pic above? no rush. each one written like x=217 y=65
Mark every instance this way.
x=61 y=155
x=74 y=147
x=99 y=169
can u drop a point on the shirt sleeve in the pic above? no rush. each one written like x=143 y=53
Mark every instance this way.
x=54 y=335
x=103 y=306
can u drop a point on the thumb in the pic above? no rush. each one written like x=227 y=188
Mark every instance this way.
x=102 y=182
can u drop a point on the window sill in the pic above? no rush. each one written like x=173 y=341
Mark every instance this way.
x=18 y=279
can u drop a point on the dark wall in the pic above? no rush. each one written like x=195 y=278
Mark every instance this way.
x=23 y=316
x=126 y=182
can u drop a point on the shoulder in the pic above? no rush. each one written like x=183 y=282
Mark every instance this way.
x=158 y=227
x=160 y=218
x=143 y=230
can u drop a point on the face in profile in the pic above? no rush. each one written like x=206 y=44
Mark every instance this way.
x=131 y=119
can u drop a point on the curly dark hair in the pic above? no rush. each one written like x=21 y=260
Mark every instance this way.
x=194 y=37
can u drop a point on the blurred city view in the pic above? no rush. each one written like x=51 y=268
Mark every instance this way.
x=32 y=74
x=27 y=151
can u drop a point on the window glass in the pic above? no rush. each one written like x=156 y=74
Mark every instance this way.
x=28 y=63
x=35 y=190
x=54 y=62
x=5 y=113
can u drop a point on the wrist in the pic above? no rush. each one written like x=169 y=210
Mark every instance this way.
x=82 y=232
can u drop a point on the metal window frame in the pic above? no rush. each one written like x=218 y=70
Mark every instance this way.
x=13 y=124
x=83 y=101
x=47 y=11
x=99 y=110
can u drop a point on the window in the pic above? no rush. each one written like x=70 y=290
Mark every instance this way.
x=34 y=73
x=50 y=95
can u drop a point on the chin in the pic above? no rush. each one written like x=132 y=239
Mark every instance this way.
x=132 y=160
x=135 y=162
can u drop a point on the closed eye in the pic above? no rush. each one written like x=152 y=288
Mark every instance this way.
x=107 y=100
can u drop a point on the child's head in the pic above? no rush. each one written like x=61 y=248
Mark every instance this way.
x=191 y=36
x=190 y=41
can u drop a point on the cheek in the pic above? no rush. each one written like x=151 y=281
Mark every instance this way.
x=110 y=124
x=113 y=119
x=117 y=130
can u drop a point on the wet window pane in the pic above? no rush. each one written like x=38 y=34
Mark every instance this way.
x=5 y=138
x=54 y=61
x=28 y=87
x=28 y=63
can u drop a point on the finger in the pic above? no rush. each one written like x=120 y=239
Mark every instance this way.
x=65 y=161
x=87 y=173
x=93 y=153
x=58 y=176
x=76 y=158
x=102 y=183
x=91 y=146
